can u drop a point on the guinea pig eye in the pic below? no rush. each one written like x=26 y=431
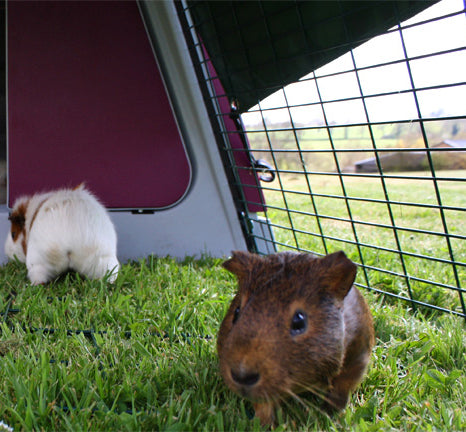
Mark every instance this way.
x=236 y=314
x=298 y=323
x=13 y=234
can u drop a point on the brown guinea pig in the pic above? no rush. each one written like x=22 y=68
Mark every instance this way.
x=297 y=324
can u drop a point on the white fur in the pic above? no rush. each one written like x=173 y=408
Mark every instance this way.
x=70 y=230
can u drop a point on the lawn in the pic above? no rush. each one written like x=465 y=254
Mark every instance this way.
x=140 y=355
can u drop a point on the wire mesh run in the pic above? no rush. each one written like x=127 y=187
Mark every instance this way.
x=369 y=156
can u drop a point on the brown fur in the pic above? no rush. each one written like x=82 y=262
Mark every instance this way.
x=80 y=186
x=35 y=213
x=18 y=220
x=18 y=224
x=263 y=360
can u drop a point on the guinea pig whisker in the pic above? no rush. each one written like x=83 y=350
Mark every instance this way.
x=316 y=391
x=305 y=403
x=298 y=406
x=298 y=399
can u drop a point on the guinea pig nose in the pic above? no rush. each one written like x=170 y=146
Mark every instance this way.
x=245 y=377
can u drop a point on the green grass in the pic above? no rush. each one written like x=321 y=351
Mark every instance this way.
x=164 y=374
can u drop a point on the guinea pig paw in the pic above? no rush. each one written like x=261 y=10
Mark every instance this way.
x=105 y=266
x=35 y=282
x=265 y=412
x=335 y=402
x=112 y=272
x=112 y=278
x=38 y=274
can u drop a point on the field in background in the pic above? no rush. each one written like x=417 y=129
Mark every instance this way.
x=352 y=143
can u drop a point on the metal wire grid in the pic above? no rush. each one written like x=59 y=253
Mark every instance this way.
x=316 y=204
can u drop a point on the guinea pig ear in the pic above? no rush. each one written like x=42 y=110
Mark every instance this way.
x=240 y=264
x=339 y=274
x=17 y=219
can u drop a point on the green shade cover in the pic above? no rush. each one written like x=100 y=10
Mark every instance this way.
x=258 y=47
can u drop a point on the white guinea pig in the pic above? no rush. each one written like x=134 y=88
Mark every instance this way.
x=62 y=230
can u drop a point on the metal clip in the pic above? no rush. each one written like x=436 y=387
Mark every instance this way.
x=264 y=170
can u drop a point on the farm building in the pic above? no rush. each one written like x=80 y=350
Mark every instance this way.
x=408 y=160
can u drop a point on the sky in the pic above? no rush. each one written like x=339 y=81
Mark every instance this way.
x=445 y=34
